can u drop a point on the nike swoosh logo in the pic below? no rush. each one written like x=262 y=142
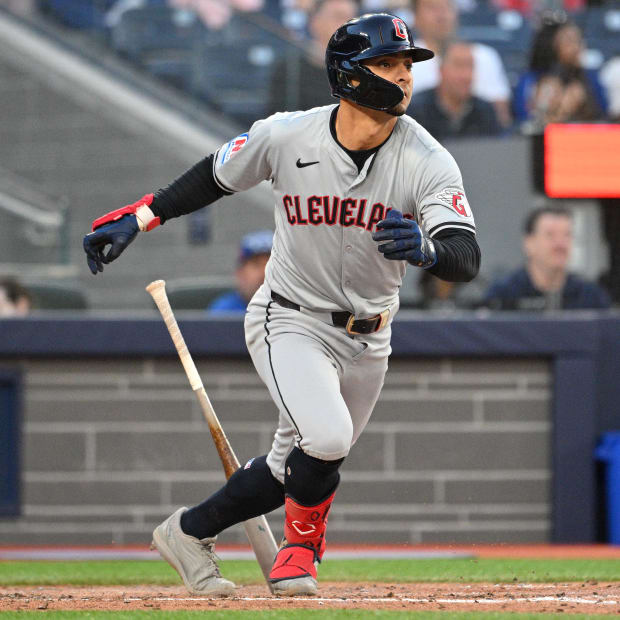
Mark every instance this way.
x=306 y=163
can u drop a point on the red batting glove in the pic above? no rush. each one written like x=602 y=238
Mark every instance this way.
x=146 y=219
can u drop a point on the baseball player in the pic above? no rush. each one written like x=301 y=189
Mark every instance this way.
x=360 y=191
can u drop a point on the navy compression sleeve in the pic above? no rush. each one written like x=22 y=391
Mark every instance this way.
x=458 y=255
x=193 y=190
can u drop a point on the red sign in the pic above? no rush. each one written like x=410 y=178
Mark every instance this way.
x=582 y=161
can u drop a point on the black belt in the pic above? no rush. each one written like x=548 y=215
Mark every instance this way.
x=343 y=319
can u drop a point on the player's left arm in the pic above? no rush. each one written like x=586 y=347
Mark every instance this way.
x=441 y=235
x=453 y=254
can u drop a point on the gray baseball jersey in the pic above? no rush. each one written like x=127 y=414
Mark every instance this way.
x=323 y=254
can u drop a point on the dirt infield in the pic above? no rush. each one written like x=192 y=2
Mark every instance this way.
x=585 y=598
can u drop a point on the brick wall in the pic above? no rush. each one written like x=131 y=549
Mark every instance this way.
x=457 y=450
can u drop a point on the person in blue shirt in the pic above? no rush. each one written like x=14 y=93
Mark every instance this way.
x=544 y=282
x=254 y=252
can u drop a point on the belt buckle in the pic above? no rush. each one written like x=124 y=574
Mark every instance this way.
x=383 y=319
x=349 y=326
x=385 y=316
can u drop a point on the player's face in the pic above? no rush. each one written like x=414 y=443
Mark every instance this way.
x=395 y=68
x=551 y=242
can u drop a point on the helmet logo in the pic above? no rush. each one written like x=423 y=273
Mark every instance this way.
x=400 y=28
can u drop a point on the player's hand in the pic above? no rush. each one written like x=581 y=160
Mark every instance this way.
x=118 y=235
x=406 y=241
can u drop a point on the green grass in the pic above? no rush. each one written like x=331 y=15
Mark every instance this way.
x=247 y=572
x=127 y=573
x=290 y=614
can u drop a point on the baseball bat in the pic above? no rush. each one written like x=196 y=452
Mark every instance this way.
x=257 y=529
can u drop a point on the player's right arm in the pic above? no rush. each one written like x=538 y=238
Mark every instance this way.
x=237 y=165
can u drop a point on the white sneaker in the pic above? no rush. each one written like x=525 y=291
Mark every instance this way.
x=300 y=586
x=294 y=571
x=193 y=559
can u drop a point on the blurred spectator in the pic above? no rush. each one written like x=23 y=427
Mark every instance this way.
x=610 y=76
x=557 y=88
x=450 y=110
x=544 y=283
x=254 y=252
x=215 y=14
x=300 y=82
x=436 y=23
x=15 y=300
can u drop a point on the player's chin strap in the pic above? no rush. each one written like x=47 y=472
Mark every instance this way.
x=145 y=218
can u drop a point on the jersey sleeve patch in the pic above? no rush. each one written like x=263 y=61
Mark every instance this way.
x=455 y=199
x=234 y=146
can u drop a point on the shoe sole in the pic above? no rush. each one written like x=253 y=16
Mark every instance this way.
x=159 y=544
x=302 y=586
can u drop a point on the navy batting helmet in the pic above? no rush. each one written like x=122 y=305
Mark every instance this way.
x=369 y=36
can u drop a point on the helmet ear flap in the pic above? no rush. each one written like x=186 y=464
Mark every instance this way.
x=346 y=72
x=372 y=91
x=375 y=92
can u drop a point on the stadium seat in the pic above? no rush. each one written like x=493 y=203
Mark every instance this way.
x=56 y=296
x=86 y=14
x=602 y=29
x=195 y=293
x=153 y=32
x=503 y=30
x=236 y=68
x=481 y=15
x=161 y=40
x=236 y=79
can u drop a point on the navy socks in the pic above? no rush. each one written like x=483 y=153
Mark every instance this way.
x=251 y=491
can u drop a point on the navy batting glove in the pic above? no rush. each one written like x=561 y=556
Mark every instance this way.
x=118 y=234
x=406 y=239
